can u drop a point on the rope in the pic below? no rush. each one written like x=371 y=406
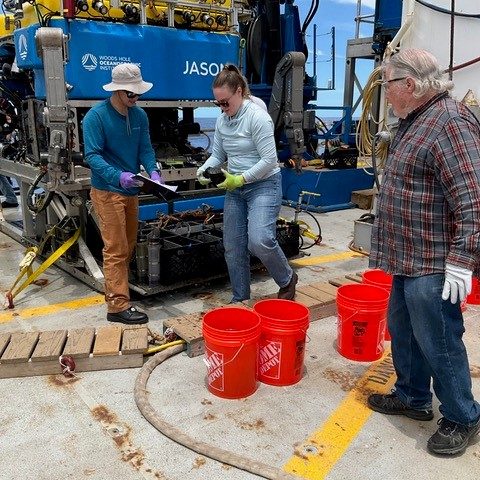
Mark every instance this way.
x=170 y=431
x=364 y=137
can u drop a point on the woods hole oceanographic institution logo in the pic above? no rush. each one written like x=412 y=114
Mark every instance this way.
x=22 y=46
x=89 y=62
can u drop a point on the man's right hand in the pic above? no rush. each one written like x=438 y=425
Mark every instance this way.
x=201 y=179
x=127 y=180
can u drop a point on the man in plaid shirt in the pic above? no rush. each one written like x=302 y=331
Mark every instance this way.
x=427 y=235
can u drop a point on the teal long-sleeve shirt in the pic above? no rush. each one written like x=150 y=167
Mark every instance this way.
x=115 y=144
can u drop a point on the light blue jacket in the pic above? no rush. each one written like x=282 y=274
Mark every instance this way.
x=247 y=142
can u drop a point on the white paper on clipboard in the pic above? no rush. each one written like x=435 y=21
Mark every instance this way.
x=172 y=188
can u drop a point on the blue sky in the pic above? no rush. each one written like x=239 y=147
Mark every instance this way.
x=341 y=15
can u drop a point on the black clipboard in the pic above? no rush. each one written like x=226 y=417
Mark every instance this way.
x=157 y=189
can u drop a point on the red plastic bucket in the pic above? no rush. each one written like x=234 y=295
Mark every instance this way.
x=231 y=347
x=382 y=279
x=474 y=297
x=362 y=313
x=284 y=325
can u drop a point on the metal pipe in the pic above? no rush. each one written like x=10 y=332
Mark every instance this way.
x=452 y=40
x=357 y=18
x=333 y=58
x=143 y=12
x=403 y=29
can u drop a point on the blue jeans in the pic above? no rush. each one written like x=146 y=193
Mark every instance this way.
x=427 y=344
x=249 y=226
x=7 y=190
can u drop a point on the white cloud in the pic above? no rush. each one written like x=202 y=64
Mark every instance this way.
x=320 y=53
x=365 y=3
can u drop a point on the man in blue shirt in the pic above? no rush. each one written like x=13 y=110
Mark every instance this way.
x=117 y=142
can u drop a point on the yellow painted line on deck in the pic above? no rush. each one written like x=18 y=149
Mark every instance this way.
x=317 y=455
x=333 y=257
x=10 y=315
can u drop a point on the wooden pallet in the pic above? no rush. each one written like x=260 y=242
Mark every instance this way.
x=24 y=354
x=318 y=297
x=188 y=328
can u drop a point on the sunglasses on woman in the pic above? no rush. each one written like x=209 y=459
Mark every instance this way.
x=223 y=103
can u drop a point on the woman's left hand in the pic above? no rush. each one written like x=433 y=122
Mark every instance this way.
x=231 y=182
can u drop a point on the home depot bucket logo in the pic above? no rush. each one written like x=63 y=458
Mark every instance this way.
x=215 y=370
x=269 y=359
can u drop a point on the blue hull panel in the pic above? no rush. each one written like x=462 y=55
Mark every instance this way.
x=334 y=186
x=181 y=64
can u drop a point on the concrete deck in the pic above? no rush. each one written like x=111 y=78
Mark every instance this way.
x=89 y=427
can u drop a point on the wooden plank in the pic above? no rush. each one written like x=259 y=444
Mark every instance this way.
x=4 y=339
x=252 y=301
x=188 y=328
x=363 y=198
x=317 y=309
x=338 y=282
x=325 y=287
x=107 y=340
x=306 y=300
x=49 y=346
x=52 y=367
x=322 y=297
x=79 y=342
x=20 y=347
x=354 y=277
x=134 y=340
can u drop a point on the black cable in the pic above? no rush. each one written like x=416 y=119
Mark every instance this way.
x=449 y=12
x=452 y=39
x=311 y=13
x=323 y=126
x=374 y=163
x=43 y=203
x=319 y=236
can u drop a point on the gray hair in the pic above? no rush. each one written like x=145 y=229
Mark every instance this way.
x=420 y=65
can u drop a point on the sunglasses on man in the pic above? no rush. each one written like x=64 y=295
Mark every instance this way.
x=131 y=94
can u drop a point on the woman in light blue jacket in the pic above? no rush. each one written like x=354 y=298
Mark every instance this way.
x=244 y=139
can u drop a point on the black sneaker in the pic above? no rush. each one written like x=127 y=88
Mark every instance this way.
x=451 y=438
x=390 y=404
x=130 y=316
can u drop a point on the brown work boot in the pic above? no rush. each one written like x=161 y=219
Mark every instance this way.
x=288 y=292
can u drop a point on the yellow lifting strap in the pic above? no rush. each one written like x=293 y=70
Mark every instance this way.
x=26 y=267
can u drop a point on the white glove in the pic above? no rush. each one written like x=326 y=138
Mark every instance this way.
x=458 y=283
x=201 y=179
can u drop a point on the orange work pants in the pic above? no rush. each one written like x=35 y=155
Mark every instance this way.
x=118 y=218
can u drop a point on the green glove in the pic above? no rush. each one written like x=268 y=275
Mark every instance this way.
x=231 y=182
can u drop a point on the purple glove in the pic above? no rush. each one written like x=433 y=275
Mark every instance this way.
x=127 y=181
x=156 y=177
